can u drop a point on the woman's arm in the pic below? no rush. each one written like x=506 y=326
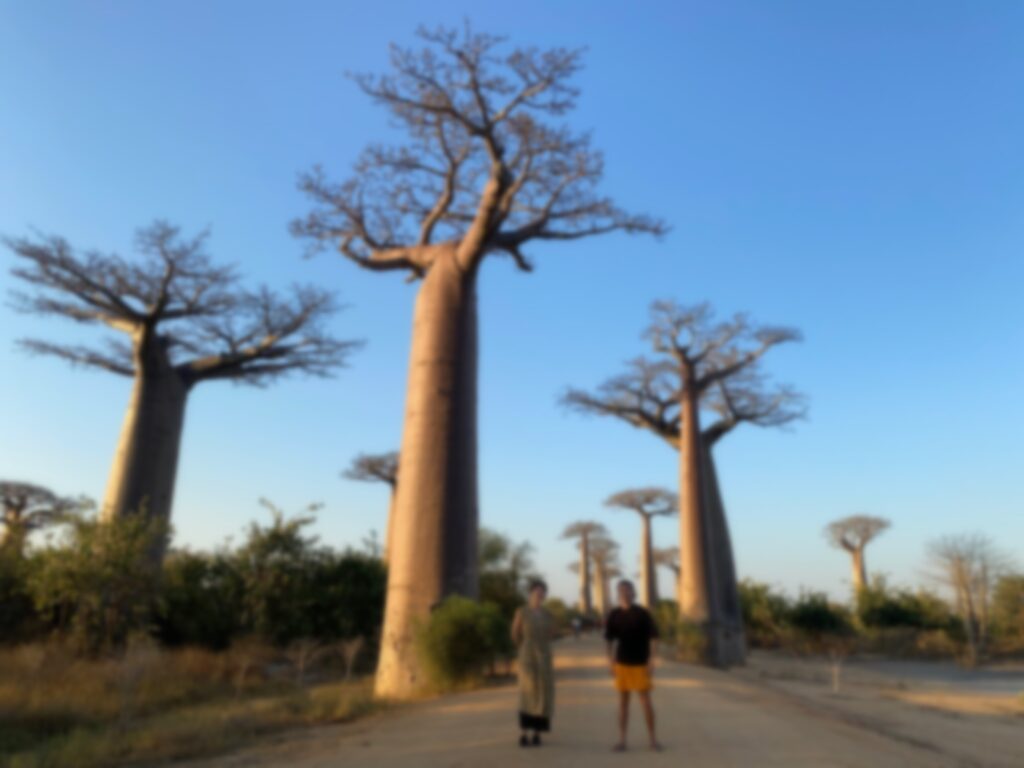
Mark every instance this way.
x=517 y=627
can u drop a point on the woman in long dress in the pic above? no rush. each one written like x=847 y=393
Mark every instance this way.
x=532 y=632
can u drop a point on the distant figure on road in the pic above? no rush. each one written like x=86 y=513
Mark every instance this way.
x=532 y=632
x=632 y=638
x=577 y=625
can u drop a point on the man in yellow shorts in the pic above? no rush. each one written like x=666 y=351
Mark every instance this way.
x=632 y=638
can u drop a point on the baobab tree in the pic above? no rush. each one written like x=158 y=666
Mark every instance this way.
x=26 y=508
x=648 y=503
x=969 y=565
x=183 y=320
x=853 y=534
x=378 y=468
x=665 y=394
x=488 y=169
x=584 y=531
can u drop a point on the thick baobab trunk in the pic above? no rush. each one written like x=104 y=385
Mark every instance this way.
x=699 y=603
x=586 y=601
x=860 y=573
x=648 y=576
x=734 y=650
x=432 y=537
x=390 y=532
x=145 y=463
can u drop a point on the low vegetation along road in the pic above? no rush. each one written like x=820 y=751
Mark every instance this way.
x=768 y=714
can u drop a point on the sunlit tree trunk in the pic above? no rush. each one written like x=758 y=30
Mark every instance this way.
x=698 y=590
x=648 y=576
x=734 y=649
x=433 y=533
x=145 y=463
x=601 y=580
x=859 y=573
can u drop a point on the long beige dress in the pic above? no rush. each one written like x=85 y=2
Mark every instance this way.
x=536 y=676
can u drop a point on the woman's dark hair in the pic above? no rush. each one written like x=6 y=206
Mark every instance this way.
x=537 y=584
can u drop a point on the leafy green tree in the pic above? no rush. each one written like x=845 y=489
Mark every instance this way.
x=201 y=599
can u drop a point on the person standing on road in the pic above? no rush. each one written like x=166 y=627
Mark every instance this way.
x=632 y=638
x=532 y=632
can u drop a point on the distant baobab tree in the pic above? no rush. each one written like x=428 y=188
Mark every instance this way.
x=585 y=531
x=648 y=503
x=26 y=508
x=853 y=534
x=184 y=321
x=378 y=468
x=488 y=169
x=694 y=354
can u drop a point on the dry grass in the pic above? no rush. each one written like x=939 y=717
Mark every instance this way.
x=149 y=705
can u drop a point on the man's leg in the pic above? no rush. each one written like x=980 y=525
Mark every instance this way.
x=645 y=702
x=623 y=719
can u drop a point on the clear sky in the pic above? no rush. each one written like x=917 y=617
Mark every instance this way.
x=855 y=169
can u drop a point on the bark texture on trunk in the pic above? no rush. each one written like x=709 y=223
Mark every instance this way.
x=648 y=576
x=390 y=532
x=734 y=650
x=146 y=460
x=433 y=531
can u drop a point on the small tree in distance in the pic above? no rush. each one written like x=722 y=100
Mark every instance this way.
x=853 y=534
x=25 y=508
x=648 y=503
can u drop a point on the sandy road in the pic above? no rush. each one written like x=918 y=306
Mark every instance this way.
x=706 y=718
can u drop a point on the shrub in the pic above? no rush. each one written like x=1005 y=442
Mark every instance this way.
x=99 y=586
x=765 y=614
x=16 y=611
x=201 y=600
x=460 y=641
x=880 y=607
x=1008 y=609
x=560 y=613
x=818 y=623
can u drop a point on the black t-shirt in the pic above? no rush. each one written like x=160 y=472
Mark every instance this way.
x=633 y=628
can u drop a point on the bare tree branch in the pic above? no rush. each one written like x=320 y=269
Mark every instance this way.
x=374 y=467
x=485 y=169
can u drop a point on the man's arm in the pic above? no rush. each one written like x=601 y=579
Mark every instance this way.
x=610 y=636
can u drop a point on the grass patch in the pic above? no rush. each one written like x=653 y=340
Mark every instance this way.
x=58 y=711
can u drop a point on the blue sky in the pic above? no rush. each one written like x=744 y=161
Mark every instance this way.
x=855 y=169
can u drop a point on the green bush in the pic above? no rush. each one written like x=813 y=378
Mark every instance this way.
x=561 y=614
x=1008 y=609
x=813 y=615
x=16 y=610
x=98 y=587
x=765 y=614
x=201 y=600
x=461 y=640
x=881 y=607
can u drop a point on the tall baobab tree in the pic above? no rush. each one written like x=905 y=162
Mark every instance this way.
x=969 y=565
x=853 y=534
x=693 y=354
x=183 y=321
x=378 y=468
x=488 y=169
x=585 y=531
x=648 y=503
x=26 y=507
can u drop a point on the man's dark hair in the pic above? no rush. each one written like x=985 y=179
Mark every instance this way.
x=537 y=584
x=626 y=583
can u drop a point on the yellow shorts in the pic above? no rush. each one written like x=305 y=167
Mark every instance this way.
x=629 y=677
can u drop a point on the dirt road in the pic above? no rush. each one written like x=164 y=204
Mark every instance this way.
x=706 y=718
